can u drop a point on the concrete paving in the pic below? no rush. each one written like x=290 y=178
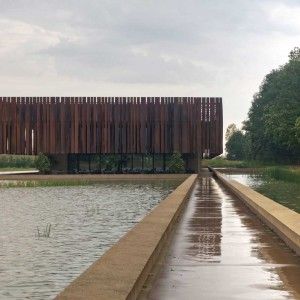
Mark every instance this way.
x=221 y=250
x=19 y=172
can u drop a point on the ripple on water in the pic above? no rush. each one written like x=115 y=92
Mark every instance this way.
x=85 y=221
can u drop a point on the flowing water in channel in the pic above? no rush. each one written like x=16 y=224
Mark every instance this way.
x=221 y=251
x=85 y=222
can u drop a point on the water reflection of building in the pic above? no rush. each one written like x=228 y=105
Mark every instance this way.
x=206 y=222
x=271 y=250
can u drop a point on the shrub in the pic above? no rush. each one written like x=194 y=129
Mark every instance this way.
x=110 y=162
x=176 y=163
x=42 y=163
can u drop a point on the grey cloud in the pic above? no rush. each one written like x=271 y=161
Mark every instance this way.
x=216 y=47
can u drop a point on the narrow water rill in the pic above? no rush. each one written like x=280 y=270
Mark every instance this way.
x=221 y=250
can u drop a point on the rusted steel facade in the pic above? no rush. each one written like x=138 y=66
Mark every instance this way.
x=64 y=125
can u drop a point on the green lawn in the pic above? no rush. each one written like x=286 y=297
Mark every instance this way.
x=219 y=162
x=283 y=192
x=17 y=162
x=45 y=183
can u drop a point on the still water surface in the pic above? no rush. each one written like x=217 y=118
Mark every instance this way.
x=85 y=222
x=285 y=193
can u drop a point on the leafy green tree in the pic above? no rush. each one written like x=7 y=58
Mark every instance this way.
x=295 y=54
x=230 y=130
x=235 y=144
x=272 y=119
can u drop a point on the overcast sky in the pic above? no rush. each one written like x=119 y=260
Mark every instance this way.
x=145 y=48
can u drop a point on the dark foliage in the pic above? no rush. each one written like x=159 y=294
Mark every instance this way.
x=273 y=124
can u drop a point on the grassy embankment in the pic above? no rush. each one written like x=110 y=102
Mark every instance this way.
x=26 y=163
x=240 y=164
x=16 y=163
x=45 y=183
x=280 y=182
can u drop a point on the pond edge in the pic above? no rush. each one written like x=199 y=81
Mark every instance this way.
x=122 y=271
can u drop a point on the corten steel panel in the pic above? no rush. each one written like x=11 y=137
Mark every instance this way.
x=54 y=125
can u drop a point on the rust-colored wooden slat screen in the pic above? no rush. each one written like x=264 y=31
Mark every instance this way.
x=58 y=125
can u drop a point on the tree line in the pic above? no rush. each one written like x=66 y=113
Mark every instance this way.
x=272 y=129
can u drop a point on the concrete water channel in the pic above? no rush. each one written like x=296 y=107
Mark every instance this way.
x=221 y=250
x=200 y=242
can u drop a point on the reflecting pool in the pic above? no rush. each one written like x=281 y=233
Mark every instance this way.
x=49 y=235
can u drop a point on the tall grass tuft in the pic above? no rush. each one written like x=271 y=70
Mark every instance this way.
x=44 y=183
x=282 y=173
x=45 y=233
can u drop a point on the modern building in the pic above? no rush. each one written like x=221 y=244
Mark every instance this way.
x=112 y=134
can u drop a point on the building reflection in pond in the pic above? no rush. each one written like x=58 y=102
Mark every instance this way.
x=205 y=225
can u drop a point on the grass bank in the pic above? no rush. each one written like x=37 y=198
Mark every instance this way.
x=278 y=182
x=283 y=192
x=220 y=162
x=287 y=174
x=38 y=180
x=44 y=183
x=281 y=184
x=17 y=162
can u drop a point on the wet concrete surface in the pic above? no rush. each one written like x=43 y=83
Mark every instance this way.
x=221 y=250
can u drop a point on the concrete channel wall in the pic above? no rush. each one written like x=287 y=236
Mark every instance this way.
x=122 y=271
x=282 y=220
x=91 y=177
